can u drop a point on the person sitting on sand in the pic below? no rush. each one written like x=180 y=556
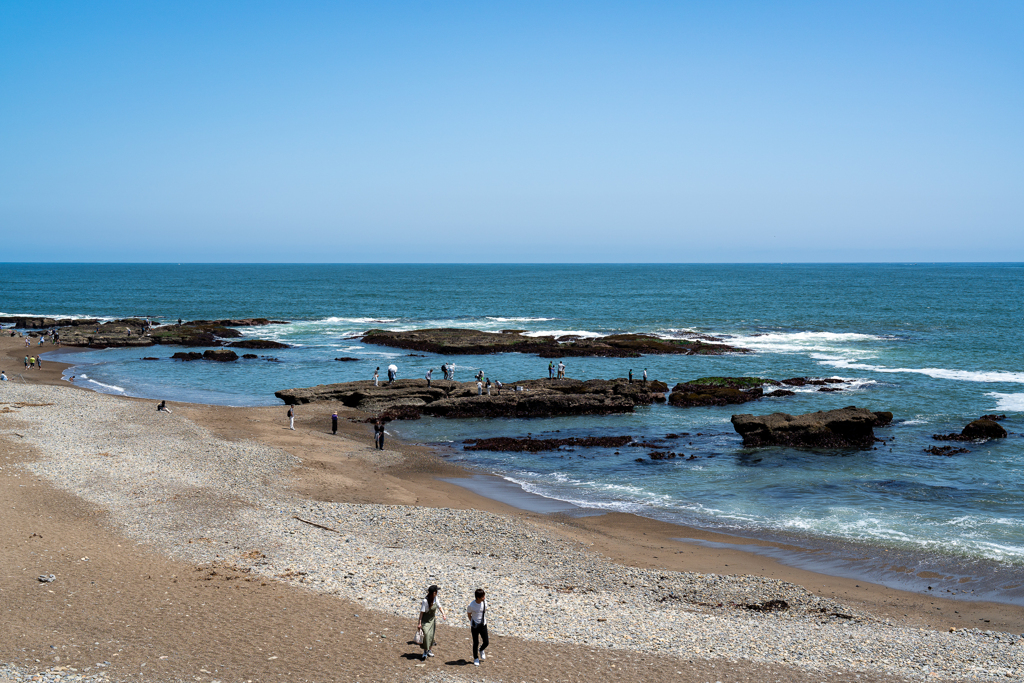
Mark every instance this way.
x=3 y=376
x=162 y=407
x=427 y=621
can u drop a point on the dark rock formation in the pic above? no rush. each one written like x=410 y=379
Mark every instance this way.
x=127 y=332
x=150 y=358
x=188 y=355
x=249 y=355
x=37 y=323
x=531 y=445
x=849 y=427
x=805 y=381
x=882 y=418
x=537 y=398
x=220 y=355
x=664 y=456
x=717 y=391
x=994 y=418
x=451 y=341
x=258 y=344
x=347 y=359
x=979 y=430
x=779 y=393
x=945 y=450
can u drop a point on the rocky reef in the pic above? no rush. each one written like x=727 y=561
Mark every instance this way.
x=451 y=342
x=981 y=429
x=849 y=427
x=534 y=398
x=258 y=344
x=136 y=332
x=39 y=323
x=722 y=391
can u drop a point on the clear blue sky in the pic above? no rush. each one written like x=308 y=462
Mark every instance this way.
x=519 y=132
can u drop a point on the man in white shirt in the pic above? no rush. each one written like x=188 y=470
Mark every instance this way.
x=477 y=613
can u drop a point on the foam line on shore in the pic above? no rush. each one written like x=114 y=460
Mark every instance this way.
x=936 y=373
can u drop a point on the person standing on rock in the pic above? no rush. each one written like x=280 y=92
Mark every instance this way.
x=444 y=371
x=428 y=620
x=480 y=376
x=334 y=423
x=477 y=613
x=645 y=377
x=631 y=375
x=498 y=385
x=551 y=369
x=479 y=388
x=376 y=377
x=488 y=385
x=291 y=419
x=430 y=371
x=561 y=370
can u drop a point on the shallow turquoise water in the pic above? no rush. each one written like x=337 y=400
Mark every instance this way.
x=938 y=345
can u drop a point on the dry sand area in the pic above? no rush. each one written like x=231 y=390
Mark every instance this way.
x=215 y=544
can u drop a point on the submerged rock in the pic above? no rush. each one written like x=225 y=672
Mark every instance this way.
x=453 y=341
x=220 y=355
x=258 y=344
x=849 y=427
x=978 y=430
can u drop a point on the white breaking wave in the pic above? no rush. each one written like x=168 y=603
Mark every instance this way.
x=1011 y=402
x=937 y=373
x=112 y=387
x=356 y=321
x=802 y=342
x=563 y=333
x=518 y=320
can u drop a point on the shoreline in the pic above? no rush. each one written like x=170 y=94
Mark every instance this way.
x=304 y=531
x=780 y=558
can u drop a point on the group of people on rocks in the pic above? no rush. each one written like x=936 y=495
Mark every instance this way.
x=556 y=372
x=476 y=613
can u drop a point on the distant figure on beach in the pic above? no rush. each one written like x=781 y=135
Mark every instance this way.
x=42 y=338
x=291 y=419
x=376 y=377
x=162 y=407
x=31 y=361
x=3 y=376
x=26 y=362
x=428 y=621
x=378 y=435
x=334 y=423
x=179 y=321
x=429 y=372
x=497 y=385
x=488 y=385
x=631 y=375
x=645 y=376
x=477 y=613
x=71 y=378
x=39 y=363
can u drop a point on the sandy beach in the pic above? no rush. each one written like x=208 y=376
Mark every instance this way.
x=214 y=543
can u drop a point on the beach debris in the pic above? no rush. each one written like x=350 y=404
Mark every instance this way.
x=768 y=606
x=47 y=578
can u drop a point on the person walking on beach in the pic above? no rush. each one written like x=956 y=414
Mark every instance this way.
x=291 y=419
x=376 y=377
x=334 y=423
x=378 y=435
x=429 y=372
x=645 y=376
x=26 y=362
x=477 y=613
x=429 y=609
x=39 y=363
x=31 y=362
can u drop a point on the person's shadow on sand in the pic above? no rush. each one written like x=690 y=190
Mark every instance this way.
x=457 y=662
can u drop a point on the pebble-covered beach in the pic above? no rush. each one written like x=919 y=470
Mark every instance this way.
x=172 y=484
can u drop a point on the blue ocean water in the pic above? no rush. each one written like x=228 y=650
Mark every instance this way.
x=938 y=345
